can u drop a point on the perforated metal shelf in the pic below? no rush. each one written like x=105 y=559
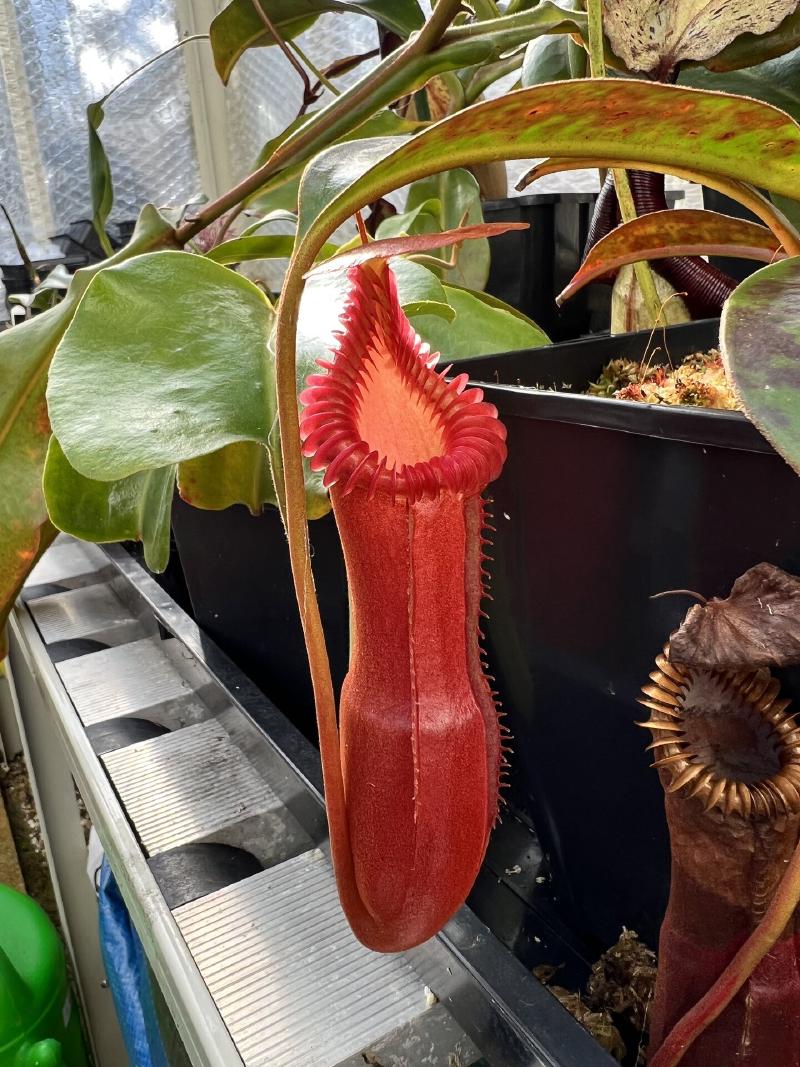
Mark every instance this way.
x=264 y=970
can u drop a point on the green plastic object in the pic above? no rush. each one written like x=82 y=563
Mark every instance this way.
x=39 y=1021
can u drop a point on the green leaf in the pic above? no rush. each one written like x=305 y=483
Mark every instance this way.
x=25 y=355
x=239 y=27
x=424 y=218
x=776 y=82
x=180 y=377
x=419 y=290
x=483 y=325
x=790 y=208
x=760 y=341
x=137 y=508
x=660 y=234
x=459 y=199
x=271 y=246
x=100 y=184
x=546 y=60
x=667 y=127
x=236 y=474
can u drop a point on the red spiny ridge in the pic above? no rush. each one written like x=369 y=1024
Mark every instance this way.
x=472 y=441
x=422 y=753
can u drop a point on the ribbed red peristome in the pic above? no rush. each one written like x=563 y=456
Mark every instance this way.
x=378 y=349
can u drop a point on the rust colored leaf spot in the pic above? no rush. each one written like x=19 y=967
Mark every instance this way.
x=42 y=419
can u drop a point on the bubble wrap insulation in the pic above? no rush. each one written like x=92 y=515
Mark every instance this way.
x=72 y=52
x=265 y=92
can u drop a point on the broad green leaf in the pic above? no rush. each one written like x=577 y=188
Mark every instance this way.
x=239 y=26
x=760 y=341
x=674 y=233
x=653 y=38
x=268 y=246
x=25 y=355
x=136 y=508
x=101 y=185
x=663 y=127
x=482 y=325
x=140 y=382
x=546 y=60
x=236 y=474
x=419 y=290
x=424 y=218
x=459 y=198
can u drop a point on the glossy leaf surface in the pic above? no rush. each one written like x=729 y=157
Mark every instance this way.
x=660 y=234
x=760 y=341
x=137 y=508
x=546 y=60
x=25 y=355
x=180 y=378
x=236 y=474
x=482 y=325
x=239 y=27
x=259 y=246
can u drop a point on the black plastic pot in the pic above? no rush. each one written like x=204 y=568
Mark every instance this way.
x=602 y=503
x=713 y=200
x=16 y=279
x=529 y=268
x=237 y=572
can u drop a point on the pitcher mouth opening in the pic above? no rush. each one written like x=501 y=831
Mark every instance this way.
x=382 y=419
x=724 y=737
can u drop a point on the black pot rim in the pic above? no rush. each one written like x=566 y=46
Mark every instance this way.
x=700 y=426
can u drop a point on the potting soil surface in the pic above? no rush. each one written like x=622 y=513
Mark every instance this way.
x=698 y=381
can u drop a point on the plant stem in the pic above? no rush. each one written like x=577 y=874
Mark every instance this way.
x=312 y=134
x=488 y=75
x=739 y=970
x=597 y=68
x=291 y=57
x=318 y=74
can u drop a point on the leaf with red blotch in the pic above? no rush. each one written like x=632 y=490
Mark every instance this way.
x=661 y=234
x=758 y=625
x=414 y=244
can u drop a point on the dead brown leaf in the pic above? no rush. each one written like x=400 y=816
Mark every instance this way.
x=758 y=625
